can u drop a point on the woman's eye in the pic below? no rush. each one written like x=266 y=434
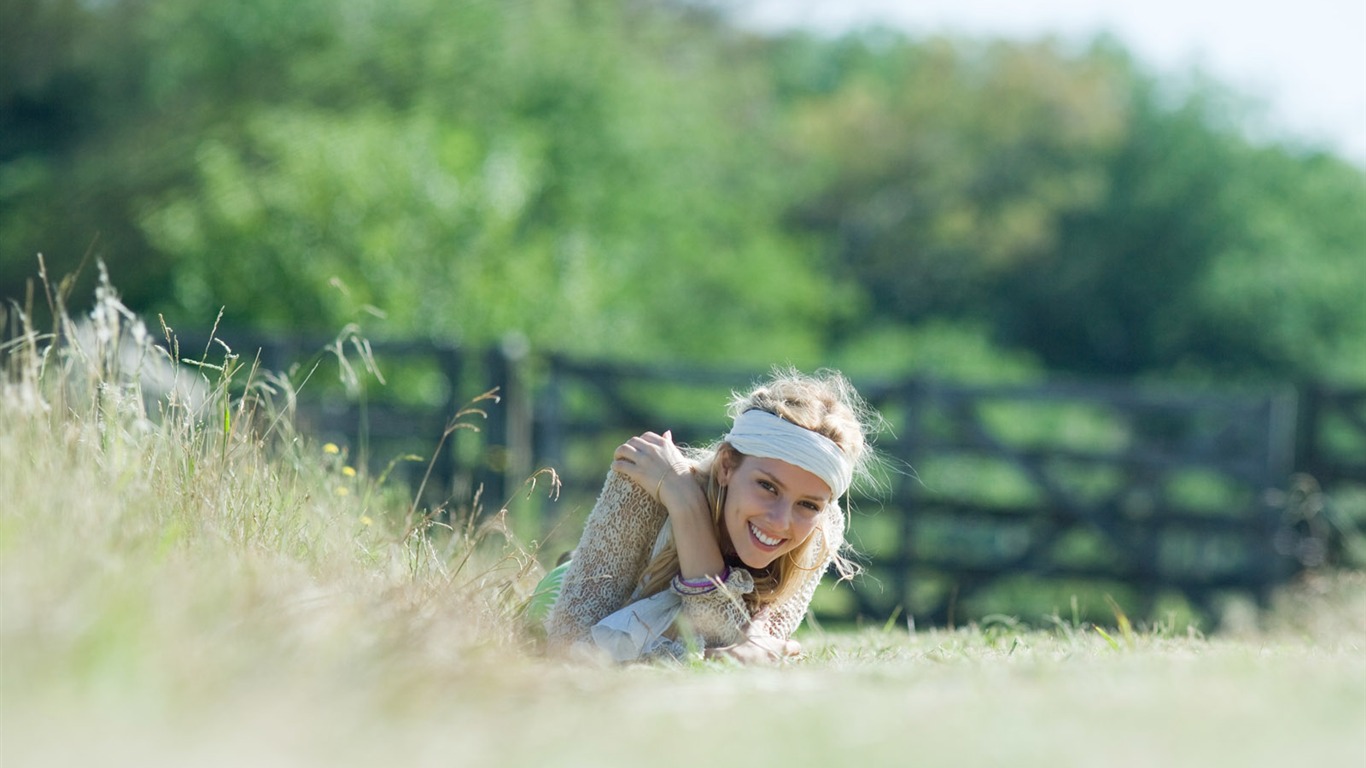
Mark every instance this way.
x=811 y=505
x=767 y=486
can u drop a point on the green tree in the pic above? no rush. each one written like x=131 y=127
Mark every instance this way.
x=75 y=152
x=1073 y=206
x=601 y=177
x=1283 y=295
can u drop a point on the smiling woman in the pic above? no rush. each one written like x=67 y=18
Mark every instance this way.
x=719 y=551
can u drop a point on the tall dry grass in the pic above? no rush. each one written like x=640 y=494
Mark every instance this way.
x=167 y=541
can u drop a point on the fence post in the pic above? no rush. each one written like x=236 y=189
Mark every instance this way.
x=1281 y=412
x=516 y=436
x=450 y=361
x=490 y=480
x=549 y=416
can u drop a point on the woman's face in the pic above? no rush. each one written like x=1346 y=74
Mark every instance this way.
x=771 y=507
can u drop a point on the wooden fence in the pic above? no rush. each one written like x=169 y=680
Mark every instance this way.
x=1014 y=500
x=1026 y=494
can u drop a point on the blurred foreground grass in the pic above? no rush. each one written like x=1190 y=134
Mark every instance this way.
x=188 y=583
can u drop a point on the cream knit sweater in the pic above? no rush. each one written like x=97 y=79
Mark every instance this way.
x=615 y=549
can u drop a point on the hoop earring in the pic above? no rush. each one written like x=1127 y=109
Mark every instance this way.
x=825 y=550
x=716 y=498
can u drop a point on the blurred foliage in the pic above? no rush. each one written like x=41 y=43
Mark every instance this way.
x=1109 y=223
x=570 y=171
x=639 y=179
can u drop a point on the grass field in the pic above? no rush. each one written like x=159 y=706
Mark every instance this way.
x=188 y=583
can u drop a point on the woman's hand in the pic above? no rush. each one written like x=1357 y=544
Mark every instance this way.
x=656 y=464
x=758 y=649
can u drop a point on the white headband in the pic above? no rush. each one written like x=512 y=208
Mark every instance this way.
x=760 y=433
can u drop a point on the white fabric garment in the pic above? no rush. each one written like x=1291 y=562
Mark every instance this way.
x=762 y=434
x=638 y=629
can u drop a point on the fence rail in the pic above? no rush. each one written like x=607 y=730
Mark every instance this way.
x=1001 y=499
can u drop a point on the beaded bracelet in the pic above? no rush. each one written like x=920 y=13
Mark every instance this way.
x=699 y=586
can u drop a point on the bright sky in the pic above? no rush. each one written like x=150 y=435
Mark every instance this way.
x=1305 y=59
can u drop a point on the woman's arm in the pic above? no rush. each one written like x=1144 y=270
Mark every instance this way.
x=610 y=558
x=653 y=461
x=714 y=615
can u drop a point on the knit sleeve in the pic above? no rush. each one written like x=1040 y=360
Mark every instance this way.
x=717 y=617
x=781 y=619
x=612 y=554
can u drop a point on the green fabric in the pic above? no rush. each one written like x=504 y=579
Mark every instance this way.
x=547 y=591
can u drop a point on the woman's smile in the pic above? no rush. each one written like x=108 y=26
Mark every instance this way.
x=763 y=540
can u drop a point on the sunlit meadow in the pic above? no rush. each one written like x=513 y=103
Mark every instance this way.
x=188 y=582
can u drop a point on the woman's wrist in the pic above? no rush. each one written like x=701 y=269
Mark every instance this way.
x=700 y=586
x=681 y=495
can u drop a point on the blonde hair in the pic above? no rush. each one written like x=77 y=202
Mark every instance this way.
x=825 y=403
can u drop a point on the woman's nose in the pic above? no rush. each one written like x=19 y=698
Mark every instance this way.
x=778 y=515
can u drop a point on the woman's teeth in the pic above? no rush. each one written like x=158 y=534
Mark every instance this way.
x=767 y=541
